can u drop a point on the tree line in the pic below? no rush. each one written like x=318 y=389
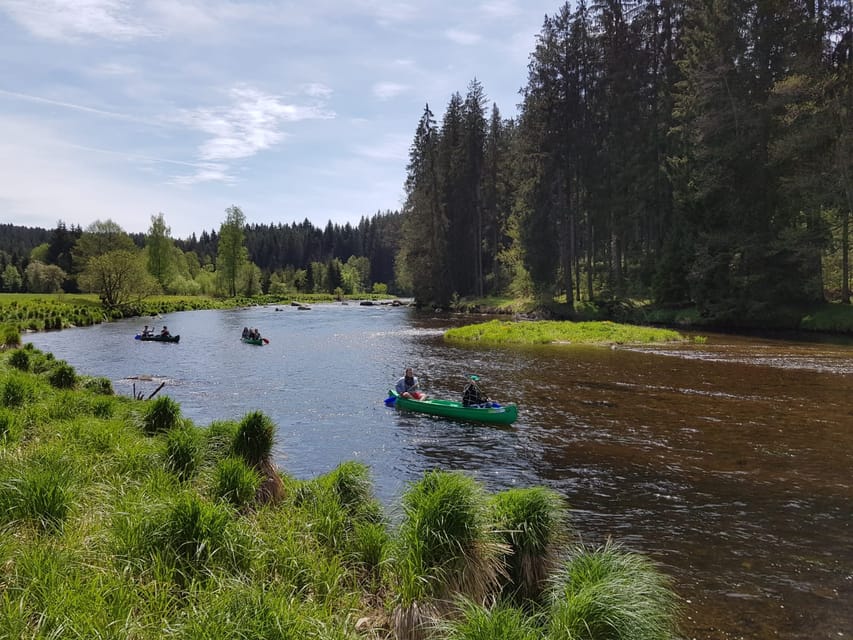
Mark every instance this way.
x=238 y=259
x=684 y=151
x=688 y=152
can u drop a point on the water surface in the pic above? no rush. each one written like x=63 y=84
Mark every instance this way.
x=728 y=462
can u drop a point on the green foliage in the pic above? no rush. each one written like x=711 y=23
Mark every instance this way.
x=532 y=522
x=7 y=425
x=254 y=438
x=40 y=492
x=62 y=376
x=103 y=386
x=220 y=436
x=183 y=451
x=498 y=622
x=10 y=336
x=611 y=593
x=16 y=389
x=235 y=482
x=161 y=415
x=351 y=484
x=547 y=332
x=20 y=359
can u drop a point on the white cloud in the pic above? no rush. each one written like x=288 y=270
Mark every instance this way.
x=388 y=90
x=250 y=124
x=390 y=147
x=75 y=19
x=462 y=37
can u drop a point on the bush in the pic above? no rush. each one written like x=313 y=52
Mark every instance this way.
x=183 y=452
x=62 y=376
x=163 y=414
x=235 y=483
x=20 y=359
x=254 y=439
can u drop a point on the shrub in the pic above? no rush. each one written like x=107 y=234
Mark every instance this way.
x=183 y=452
x=20 y=359
x=234 y=482
x=62 y=376
x=611 y=593
x=254 y=438
x=162 y=415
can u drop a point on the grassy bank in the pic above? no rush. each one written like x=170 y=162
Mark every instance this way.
x=121 y=518
x=498 y=332
x=40 y=312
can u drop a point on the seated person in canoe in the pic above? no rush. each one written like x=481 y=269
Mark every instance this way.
x=407 y=386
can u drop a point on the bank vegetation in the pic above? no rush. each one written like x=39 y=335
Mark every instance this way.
x=122 y=518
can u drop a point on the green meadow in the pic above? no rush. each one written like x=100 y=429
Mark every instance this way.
x=498 y=332
x=121 y=518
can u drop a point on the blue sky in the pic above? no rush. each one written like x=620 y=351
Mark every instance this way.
x=121 y=109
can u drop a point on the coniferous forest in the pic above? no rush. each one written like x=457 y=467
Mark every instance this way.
x=687 y=152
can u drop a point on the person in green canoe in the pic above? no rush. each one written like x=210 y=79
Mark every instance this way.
x=407 y=386
x=472 y=395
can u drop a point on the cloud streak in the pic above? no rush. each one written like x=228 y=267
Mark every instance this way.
x=77 y=19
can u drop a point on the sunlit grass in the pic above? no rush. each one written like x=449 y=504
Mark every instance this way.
x=498 y=332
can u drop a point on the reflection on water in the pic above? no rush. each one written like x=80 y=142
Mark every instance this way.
x=728 y=461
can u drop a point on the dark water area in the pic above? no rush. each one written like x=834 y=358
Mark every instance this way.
x=728 y=462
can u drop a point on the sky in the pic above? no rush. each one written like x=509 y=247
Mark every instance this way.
x=291 y=110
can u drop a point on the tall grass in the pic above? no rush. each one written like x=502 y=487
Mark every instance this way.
x=161 y=415
x=39 y=491
x=235 y=482
x=498 y=622
x=16 y=390
x=445 y=548
x=608 y=592
x=253 y=441
x=62 y=376
x=533 y=523
x=183 y=451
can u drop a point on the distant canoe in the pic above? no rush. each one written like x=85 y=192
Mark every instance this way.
x=256 y=341
x=158 y=338
x=491 y=413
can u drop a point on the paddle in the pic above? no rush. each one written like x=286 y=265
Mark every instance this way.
x=265 y=340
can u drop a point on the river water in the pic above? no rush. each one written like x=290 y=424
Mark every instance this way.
x=728 y=462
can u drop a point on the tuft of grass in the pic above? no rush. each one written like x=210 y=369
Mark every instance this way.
x=445 y=549
x=533 y=523
x=10 y=336
x=498 y=622
x=39 y=491
x=16 y=390
x=62 y=376
x=20 y=359
x=235 y=482
x=220 y=436
x=498 y=332
x=162 y=414
x=183 y=452
x=608 y=592
x=103 y=386
x=352 y=485
x=254 y=438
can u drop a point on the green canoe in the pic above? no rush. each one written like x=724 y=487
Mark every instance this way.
x=258 y=341
x=493 y=414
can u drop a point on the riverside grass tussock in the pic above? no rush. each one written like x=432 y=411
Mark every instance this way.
x=109 y=529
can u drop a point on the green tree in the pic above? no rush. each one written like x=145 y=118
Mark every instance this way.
x=159 y=247
x=120 y=278
x=231 y=251
x=44 y=278
x=99 y=238
x=11 y=278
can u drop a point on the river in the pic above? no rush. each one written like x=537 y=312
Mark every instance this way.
x=728 y=462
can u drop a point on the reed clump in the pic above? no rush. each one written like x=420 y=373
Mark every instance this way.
x=121 y=522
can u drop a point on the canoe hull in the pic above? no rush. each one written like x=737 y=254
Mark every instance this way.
x=158 y=338
x=503 y=414
x=256 y=341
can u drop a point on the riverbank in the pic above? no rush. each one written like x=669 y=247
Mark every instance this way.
x=830 y=318
x=122 y=516
x=46 y=312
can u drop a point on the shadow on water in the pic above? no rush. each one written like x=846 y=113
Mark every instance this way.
x=728 y=462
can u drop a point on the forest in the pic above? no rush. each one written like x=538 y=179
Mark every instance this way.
x=681 y=152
